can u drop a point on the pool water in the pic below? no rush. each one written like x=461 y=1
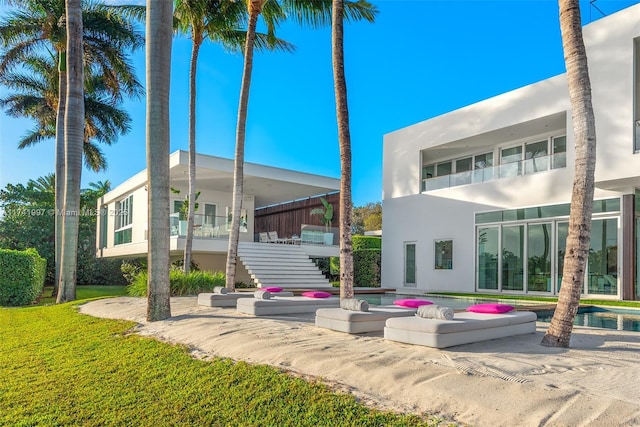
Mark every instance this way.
x=595 y=317
x=592 y=317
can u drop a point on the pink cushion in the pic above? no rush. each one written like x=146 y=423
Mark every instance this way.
x=316 y=294
x=412 y=303
x=490 y=308
x=273 y=289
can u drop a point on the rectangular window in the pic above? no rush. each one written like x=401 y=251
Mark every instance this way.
x=177 y=208
x=510 y=159
x=483 y=167
x=463 y=172
x=488 y=244
x=210 y=214
x=536 y=157
x=444 y=254
x=559 y=148
x=124 y=220
x=443 y=169
x=512 y=257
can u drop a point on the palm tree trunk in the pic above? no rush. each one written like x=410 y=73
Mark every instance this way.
x=59 y=160
x=344 y=137
x=158 y=62
x=188 y=244
x=73 y=137
x=255 y=7
x=584 y=129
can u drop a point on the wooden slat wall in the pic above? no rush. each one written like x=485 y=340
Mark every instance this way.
x=288 y=218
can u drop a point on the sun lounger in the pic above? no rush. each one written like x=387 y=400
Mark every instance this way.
x=284 y=305
x=465 y=328
x=222 y=300
x=357 y=322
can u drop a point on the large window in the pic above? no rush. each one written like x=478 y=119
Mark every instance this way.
x=124 y=221
x=456 y=172
x=529 y=253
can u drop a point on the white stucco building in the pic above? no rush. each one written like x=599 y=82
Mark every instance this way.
x=477 y=200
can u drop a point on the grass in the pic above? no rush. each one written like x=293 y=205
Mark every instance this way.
x=633 y=304
x=84 y=292
x=62 y=368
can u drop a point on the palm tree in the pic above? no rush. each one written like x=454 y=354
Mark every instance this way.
x=584 y=129
x=158 y=60
x=74 y=136
x=314 y=13
x=35 y=96
x=217 y=20
x=40 y=26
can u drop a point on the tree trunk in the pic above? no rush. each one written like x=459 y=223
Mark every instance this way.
x=584 y=129
x=59 y=160
x=255 y=7
x=158 y=61
x=73 y=140
x=188 y=244
x=344 y=138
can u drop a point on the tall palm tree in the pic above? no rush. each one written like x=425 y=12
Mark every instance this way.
x=584 y=130
x=219 y=21
x=35 y=95
x=73 y=139
x=40 y=25
x=158 y=60
x=313 y=13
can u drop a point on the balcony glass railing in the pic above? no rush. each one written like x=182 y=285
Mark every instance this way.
x=522 y=167
x=203 y=226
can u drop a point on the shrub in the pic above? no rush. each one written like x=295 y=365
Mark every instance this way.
x=366 y=267
x=180 y=283
x=366 y=242
x=22 y=278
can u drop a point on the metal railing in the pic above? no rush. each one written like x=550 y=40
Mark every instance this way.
x=506 y=170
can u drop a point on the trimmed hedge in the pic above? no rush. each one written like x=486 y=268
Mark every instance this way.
x=366 y=242
x=366 y=268
x=22 y=278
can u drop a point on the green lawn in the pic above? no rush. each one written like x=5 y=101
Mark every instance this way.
x=61 y=368
x=84 y=292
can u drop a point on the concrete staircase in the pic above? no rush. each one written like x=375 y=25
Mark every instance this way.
x=286 y=266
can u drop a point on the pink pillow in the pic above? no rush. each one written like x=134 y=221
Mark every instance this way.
x=411 y=303
x=273 y=289
x=490 y=308
x=316 y=294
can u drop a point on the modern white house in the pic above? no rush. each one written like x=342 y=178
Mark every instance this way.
x=477 y=200
x=123 y=227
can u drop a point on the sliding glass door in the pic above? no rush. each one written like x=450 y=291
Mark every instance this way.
x=539 y=257
x=488 y=245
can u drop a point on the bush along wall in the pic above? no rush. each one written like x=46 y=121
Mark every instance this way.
x=22 y=278
x=367 y=259
x=366 y=242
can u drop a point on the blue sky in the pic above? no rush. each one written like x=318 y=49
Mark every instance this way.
x=420 y=59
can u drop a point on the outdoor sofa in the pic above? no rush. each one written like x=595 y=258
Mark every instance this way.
x=358 y=322
x=465 y=328
x=284 y=305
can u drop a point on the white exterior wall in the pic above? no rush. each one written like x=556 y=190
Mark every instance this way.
x=517 y=116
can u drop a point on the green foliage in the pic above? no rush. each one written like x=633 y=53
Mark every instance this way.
x=366 y=242
x=366 y=267
x=184 y=207
x=68 y=369
x=22 y=276
x=29 y=222
x=367 y=218
x=180 y=283
x=326 y=214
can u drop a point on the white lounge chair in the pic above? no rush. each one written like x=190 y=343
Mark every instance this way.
x=222 y=300
x=284 y=305
x=357 y=322
x=465 y=328
x=273 y=238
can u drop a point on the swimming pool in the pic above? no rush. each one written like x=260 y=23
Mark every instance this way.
x=597 y=317
x=592 y=317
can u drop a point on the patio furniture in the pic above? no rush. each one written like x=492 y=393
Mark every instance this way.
x=284 y=305
x=222 y=300
x=357 y=322
x=465 y=328
x=273 y=237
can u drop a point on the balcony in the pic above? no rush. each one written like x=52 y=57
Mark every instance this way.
x=506 y=170
x=204 y=226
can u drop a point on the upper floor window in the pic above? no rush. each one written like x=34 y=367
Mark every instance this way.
x=456 y=172
x=124 y=221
